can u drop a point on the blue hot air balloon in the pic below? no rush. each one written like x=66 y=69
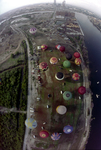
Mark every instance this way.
x=55 y=136
x=31 y=123
x=67 y=129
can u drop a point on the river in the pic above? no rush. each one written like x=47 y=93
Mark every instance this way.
x=92 y=39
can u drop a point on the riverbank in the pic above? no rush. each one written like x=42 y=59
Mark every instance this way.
x=96 y=22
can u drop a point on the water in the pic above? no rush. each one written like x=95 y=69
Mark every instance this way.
x=93 y=43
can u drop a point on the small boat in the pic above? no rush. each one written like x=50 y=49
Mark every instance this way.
x=98 y=82
x=97 y=95
x=96 y=71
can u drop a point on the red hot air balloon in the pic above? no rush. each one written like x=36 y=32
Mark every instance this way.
x=43 y=66
x=81 y=90
x=76 y=55
x=44 y=47
x=60 y=48
x=44 y=134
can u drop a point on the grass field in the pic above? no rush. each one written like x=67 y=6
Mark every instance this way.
x=50 y=85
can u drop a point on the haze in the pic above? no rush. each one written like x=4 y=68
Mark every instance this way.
x=93 y=5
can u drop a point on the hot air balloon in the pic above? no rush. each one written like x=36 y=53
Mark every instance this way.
x=43 y=66
x=76 y=55
x=75 y=76
x=68 y=56
x=53 y=60
x=67 y=95
x=78 y=61
x=58 y=46
x=81 y=90
x=61 y=48
x=67 y=129
x=33 y=30
x=66 y=64
x=55 y=136
x=31 y=123
x=59 y=76
x=44 y=134
x=61 y=109
x=44 y=47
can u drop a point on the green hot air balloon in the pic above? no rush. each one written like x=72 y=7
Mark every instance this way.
x=67 y=95
x=66 y=64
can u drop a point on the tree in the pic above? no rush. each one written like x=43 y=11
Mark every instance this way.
x=12 y=55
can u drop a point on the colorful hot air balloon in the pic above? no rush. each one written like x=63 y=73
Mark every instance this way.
x=61 y=48
x=53 y=60
x=43 y=66
x=67 y=95
x=68 y=56
x=75 y=76
x=66 y=64
x=33 y=30
x=67 y=129
x=55 y=136
x=58 y=46
x=61 y=109
x=31 y=123
x=78 y=61
x=44 y=47
x=44 y=134
x=59 y=76
x=76 y=55
x=81 y=90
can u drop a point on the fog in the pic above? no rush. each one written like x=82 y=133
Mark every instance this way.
x=93 y=5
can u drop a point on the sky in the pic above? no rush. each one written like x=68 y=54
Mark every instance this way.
x=93 y=5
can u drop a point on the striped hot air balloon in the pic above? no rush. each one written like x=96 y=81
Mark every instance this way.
x=75 y=76
x=55 y=136
x=78 y=61
x=33 y=30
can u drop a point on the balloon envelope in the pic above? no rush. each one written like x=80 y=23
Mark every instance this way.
x=76 y=55
x=62 y=49
x=53 y=60
x=61 y=109
x=43 y=65
x=66 y=64
x=44 y=134
x=68 y=56
x=31 y=123
x=55 y=136
x=33 y=30
x=44 y=47
x=67 y=129
x=59 y=76
x=75 y=76
x=81 y=90
x=67 y=95
x=77 y=61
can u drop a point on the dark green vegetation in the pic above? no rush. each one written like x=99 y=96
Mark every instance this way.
x=13 y=94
